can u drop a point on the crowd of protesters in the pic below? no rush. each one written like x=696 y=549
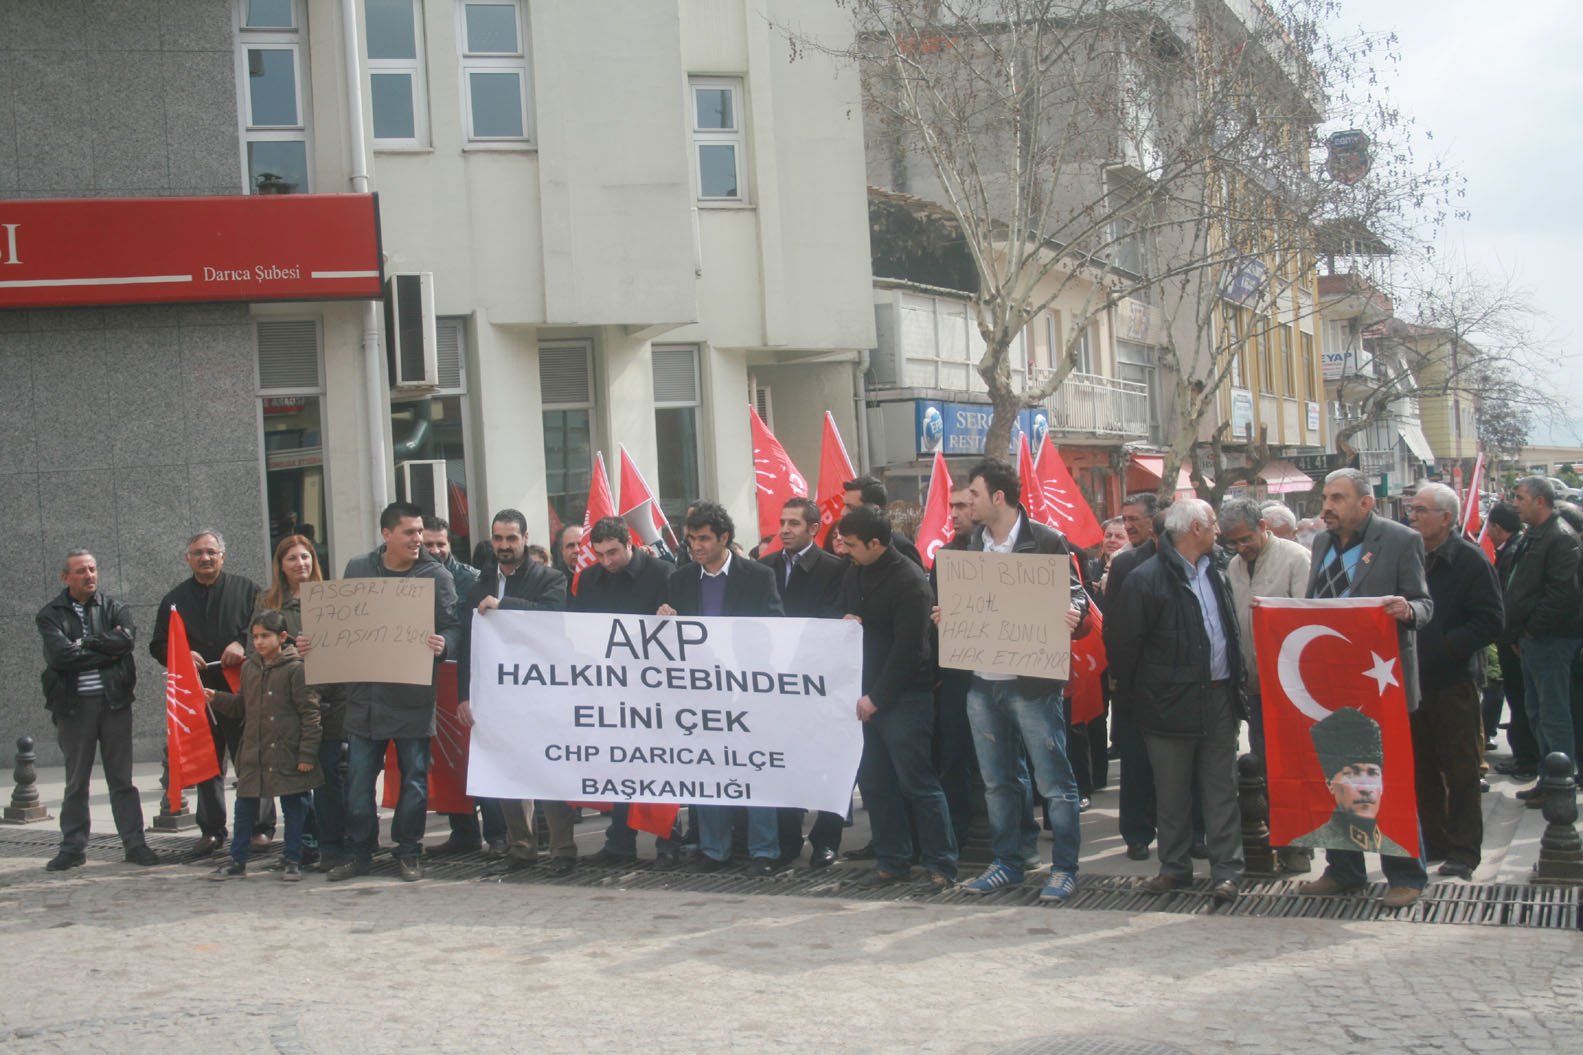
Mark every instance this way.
x=1176 y=584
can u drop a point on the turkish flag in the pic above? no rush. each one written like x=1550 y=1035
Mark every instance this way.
x=188 y=742
x=835 y=469
x=1338 y=744
x=447 y=753
x=1032 y=488
x=1065 y=507
x=778 y=480
x=600 y=505
x=634 y=492
x=937 y=527
x=1089 y=663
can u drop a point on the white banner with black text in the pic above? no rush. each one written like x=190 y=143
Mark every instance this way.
x=623 y=708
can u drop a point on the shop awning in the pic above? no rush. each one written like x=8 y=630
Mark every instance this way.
x=1145 y=470
x=1416 y=441
x=1282 y=477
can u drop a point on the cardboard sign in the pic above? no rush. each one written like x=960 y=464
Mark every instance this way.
x=369 y=630
x=1005 y=613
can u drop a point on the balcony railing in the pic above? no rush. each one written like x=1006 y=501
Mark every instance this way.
x=1088 y=403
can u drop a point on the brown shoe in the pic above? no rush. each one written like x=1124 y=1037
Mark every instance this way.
x=207 y=845
x=1224 y=891
x=1326 y=886
x=1160 y=884
x=260 y=841
x=1400 y=896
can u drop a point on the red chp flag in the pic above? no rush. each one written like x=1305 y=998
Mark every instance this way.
x=1089 y=663
x=1064 y=505
x=937 y=527
x=778 y=480
x=634 y=492
x=600 y=505
x=1338 y=744
x=188 y=743
x=1473 y=525
x=1032 y=488
x=835 y=469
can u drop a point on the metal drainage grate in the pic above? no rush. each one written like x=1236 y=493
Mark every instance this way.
x=1495 y=904
x=1088 y=1045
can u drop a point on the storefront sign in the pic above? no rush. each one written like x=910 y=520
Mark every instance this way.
x=1313 y=417
x=1241 y=413
x=962 y=428
x=94 y=251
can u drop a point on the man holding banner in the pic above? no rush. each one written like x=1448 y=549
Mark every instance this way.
x=1363 y=555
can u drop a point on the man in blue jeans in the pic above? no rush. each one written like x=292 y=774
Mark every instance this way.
x=1544 y=623
x=1010 y=714
x=379 y=714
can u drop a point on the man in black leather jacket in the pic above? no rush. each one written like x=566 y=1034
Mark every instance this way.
x=88 y=687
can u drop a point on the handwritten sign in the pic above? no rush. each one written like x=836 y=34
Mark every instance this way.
x=1005 y=613
x=369 y=630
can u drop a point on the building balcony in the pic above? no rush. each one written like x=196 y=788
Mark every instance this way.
x=1099 y=406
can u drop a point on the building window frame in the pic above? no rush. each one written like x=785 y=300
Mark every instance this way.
x=590 y=405
x=415 y=68
x=488 y=63
x=682 y=402
x=306 y=390
x=734 y=137
x=293 y=41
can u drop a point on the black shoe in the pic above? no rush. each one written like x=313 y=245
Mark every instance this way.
x=1484 y=786
x=507 y=865
x=230 y=870
x=666 y=862
x=703 y=864
x=862 y=853
x=64 y=860
x=207 y=844
x=1083 y=804
x=141 y=855
x=764 y=866
x=1198 y=851
x=881 y=878
x=454 y=847
x=329 y=863
x=1456 y=870
x=611 y=859
x=292 y=873
x=1537 y=791
x=1138 y=851
x=309 y=857
x=411 y=869
x=1224 y=891
x=822 y=857
x=1510 y=767
x=495 y=848
x=348 y=870
x=560 y=867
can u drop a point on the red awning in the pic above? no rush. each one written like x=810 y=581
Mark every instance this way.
x=1282 y=477
x=1144 y=471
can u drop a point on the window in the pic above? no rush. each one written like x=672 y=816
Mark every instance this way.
x=566 y=395
x=291 y=393
x=395 y=71
x=1085 y=353
x=717 y=138
x=1234 y=347
x=1288 y=362
x=428 y=433
x=676 y=403
x=494 y=70
x=1266 y=358
x=273 y=99
x=1306 y=340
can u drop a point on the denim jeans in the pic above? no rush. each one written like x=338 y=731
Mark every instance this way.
x=1347 y=868
x=465 y=827
x=1547 y=692
x=1005 y=720
x=295 y=807
x=896 y=774
x=366 y=760
x=329 y=801
x=714 y=832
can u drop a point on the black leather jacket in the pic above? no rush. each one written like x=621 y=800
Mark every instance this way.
x=70 y=649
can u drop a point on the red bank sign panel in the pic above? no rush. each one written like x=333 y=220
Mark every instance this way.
x=87 y=251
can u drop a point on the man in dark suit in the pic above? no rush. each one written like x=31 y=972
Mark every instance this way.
x=717 y=583
x=1363 y=555
x=625 y=581
x=1136 y=808
x=810 y=588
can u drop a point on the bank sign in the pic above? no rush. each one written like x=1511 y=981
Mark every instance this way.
x=962 y=428
x=240 y=248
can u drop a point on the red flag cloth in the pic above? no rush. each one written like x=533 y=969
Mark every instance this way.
x=1032 y=488
x=447 y=753
x=778 y=480
x=937 y=527
x=188 y=742
x=1338 y=745
x=835 y=469
x=1470 y=501
x=233 y=677
x=654 y=818
x=1064 y=504
x=600 y=505
x=1089 y=663
x=634 y=492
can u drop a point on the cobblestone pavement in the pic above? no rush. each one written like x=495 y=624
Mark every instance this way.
x=116 y=958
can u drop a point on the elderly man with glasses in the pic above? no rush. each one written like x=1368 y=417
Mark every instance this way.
x=1264 y=565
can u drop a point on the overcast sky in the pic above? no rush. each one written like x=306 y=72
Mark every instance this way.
x=1501 y=88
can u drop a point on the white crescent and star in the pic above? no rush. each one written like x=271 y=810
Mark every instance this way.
x=1289 y=669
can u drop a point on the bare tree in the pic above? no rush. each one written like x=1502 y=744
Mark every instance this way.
x=1092 y=151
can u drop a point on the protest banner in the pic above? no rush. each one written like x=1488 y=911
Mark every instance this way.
x=717 y=711
x=369 y=630
x=1005 y=613
x=1338 y=746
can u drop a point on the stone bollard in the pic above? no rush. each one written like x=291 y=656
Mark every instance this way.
x=25 y=806
x=1254 y=801
x=1560 y=849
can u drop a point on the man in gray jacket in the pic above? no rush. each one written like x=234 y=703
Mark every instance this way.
x=382 y=713
x=1362 y=555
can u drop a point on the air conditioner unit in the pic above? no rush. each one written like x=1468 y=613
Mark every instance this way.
x=423 y=484
x=411 y=344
